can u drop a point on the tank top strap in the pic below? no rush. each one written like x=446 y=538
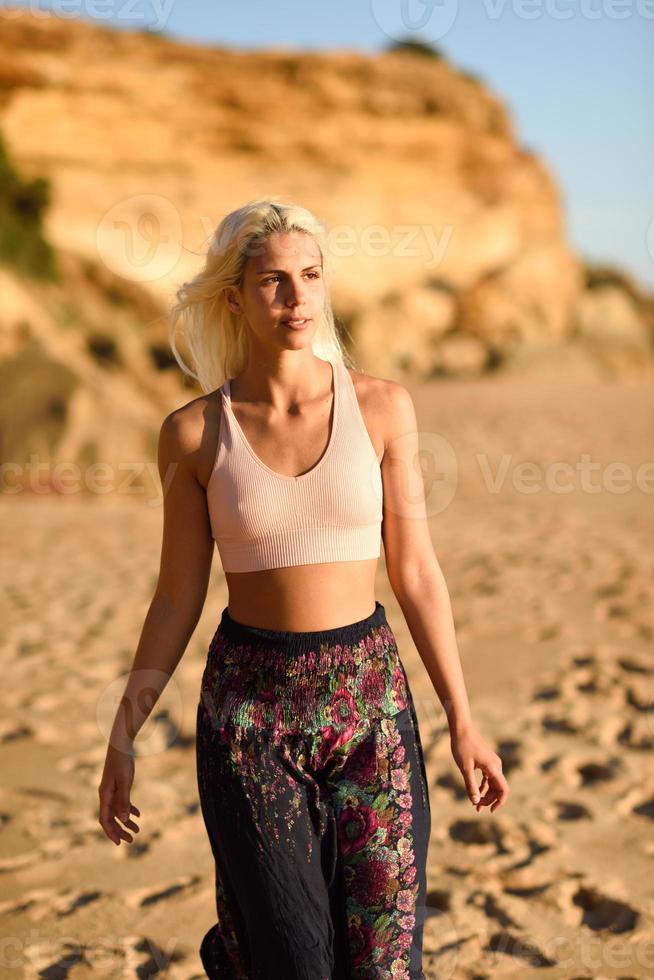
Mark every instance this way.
x=226 y=408
x=339 y=388
x=353 y=422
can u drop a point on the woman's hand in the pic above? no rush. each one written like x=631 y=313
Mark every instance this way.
x=471 y=752
x=114 y=790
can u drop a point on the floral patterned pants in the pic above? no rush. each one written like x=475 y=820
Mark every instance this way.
x=314 y=794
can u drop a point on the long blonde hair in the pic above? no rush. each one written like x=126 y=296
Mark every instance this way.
x=217 y=338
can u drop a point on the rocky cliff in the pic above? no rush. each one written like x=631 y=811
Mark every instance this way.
x=455 y=257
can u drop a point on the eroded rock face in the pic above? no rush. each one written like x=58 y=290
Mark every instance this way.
x=413 y=165
x=83 y=391
x=445 y=235
x=615 y=320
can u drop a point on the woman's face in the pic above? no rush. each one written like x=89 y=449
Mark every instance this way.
x=283 y=280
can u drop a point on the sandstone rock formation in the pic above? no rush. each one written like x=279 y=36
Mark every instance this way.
x=415 y=161
x=455 y=256
x=84 y=383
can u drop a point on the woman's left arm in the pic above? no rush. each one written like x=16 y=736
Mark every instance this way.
x=417 y=581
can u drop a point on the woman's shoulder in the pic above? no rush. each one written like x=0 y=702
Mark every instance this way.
x=188 y=432
x=381 y=395
x=386 y=405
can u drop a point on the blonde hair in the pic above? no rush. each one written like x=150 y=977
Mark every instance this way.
x=217 y=338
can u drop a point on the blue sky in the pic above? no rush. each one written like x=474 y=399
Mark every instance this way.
x=577 y=77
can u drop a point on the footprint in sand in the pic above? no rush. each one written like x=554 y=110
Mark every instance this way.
x=510 y=752
x=439 y=899
x=18 y=861
x=67 y=902
x=603 y=913
x=625 y=688
x=645 y=808
x=637 y=734
x=474 y=832
x=639 y=695
x=453 y=784
x=145 y=958
x=594 y=772
x=518 y=947
x=134 y=956
x=11 y=731
x=567 y=810
x=70 y=955
x=149 y=896
x=560 y=724
x=513 y=845
x=634 y=665
x=492 y=909
x=138 y=847
x=40 y=903
x=36 y=903
x=526 y=883
x=548 y=692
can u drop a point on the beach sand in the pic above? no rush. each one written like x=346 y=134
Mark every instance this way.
x=552 y=596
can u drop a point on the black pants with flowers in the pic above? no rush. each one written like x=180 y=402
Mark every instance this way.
x=314 y=794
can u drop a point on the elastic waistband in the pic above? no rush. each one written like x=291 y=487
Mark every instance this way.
x=303 y=681
x=301 y=641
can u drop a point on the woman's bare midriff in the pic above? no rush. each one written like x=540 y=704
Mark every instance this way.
x=303 y=597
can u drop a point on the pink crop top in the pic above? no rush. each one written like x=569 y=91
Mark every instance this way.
x=333 y=512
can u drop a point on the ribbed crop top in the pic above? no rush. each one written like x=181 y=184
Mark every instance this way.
x=333 y=512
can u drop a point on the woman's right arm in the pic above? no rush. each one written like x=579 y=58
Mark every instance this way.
x=175 y=608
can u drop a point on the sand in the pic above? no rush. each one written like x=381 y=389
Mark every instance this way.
x=552 y=595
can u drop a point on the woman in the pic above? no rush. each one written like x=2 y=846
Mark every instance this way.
x=309 y=762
